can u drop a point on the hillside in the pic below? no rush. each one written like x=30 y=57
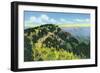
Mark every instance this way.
x=50 y=42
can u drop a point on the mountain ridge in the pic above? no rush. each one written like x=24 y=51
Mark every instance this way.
x=51 y=36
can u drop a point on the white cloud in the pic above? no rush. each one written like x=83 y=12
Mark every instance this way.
x=45 y=19
x=87 y=20
x=64 y=21
x=78 y=20
x=53 y=21
x=33 y=18
x=83 y=20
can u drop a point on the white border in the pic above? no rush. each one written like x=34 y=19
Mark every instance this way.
x=22 y=64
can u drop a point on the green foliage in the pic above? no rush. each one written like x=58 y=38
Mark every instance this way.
x=83 y=50
x=49 y=42
x=27 y=49
x=45 y=53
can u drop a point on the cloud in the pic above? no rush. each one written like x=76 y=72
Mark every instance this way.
x=83 y=20
x=42 y=19
x=53 y=21
x=64 y=21
x=33 y=18
x=88 y=20
x=45 y=19
x=78 y=20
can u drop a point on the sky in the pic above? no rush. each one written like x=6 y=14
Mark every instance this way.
x=33 y=18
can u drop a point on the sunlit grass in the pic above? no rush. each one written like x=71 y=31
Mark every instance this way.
x=44 y=53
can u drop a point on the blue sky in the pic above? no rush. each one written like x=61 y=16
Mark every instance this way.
x=33 y=17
